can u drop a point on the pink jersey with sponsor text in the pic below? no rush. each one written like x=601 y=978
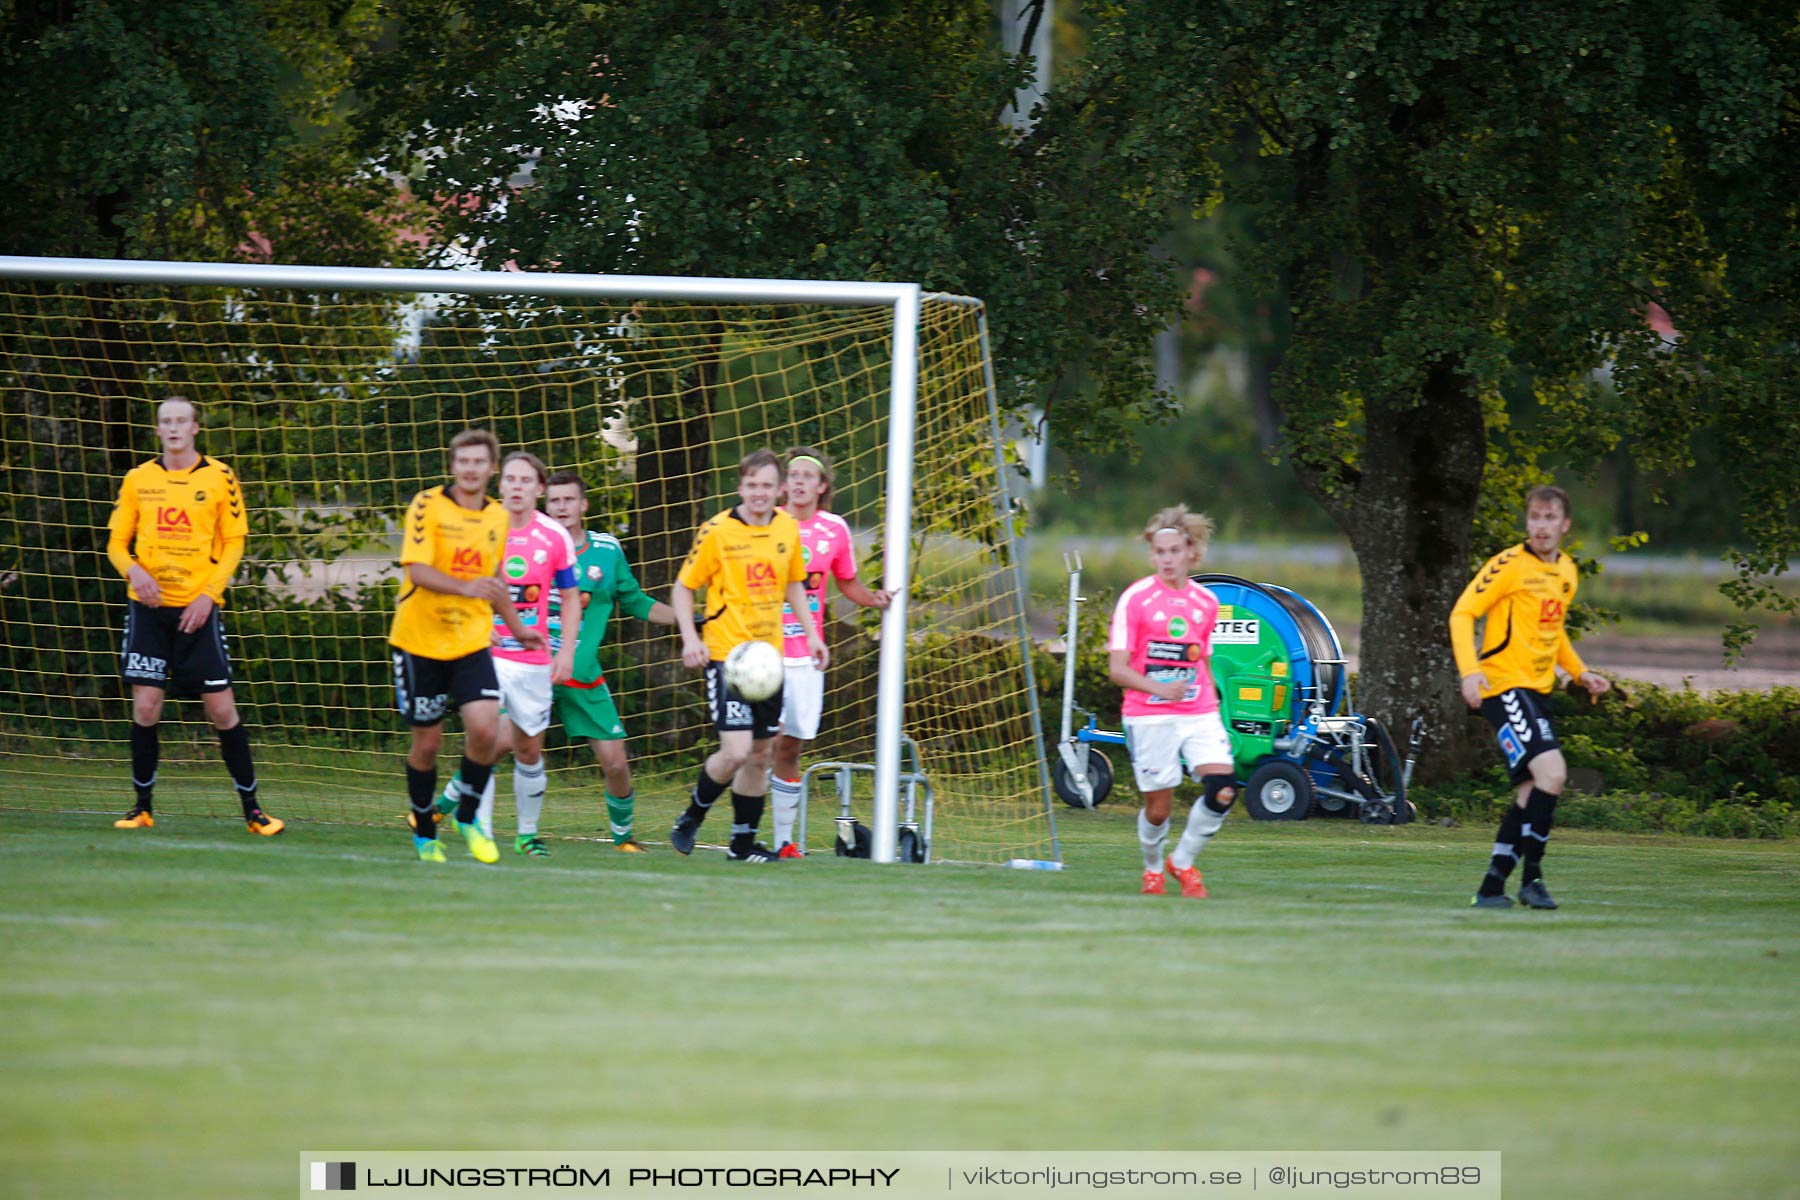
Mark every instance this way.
x=826 y=544
x=537 y=558
x=1168 y=632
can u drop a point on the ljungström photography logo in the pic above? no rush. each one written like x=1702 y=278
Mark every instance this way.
x=334 y=1177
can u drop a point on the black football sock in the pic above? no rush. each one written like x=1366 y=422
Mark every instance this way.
x=146 y=750
x=746 y=815
x=707 y=791
x=475 y=778
x=1506 y=852
x=234 y=747
x=421 y=790
x=1534 y=838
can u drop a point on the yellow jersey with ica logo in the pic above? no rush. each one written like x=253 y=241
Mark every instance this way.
x=187 y=528
x=465 y=543
x=745 y=570
x=1526 y=601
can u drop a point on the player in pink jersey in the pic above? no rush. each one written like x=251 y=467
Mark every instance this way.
x=1160 y=652
x=539 y=558
x=830 y=554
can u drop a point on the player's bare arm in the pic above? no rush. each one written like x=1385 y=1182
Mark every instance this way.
x=693 y=650
x=1473 y=685
x=861 y=593
x=1118 y=669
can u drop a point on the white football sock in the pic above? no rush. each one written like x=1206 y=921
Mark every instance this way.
x=784 y=800
x=1202 y=823
x=528 y=795
x=1152 y=839
x=484 y=812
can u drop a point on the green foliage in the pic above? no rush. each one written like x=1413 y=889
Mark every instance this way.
x=138 y=128
x=1720 y=765
x=817 y=140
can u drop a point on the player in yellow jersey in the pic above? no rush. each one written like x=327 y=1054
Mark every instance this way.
x=749 y=561
x=176 y=534
x=450 y=588
x=1524 y=593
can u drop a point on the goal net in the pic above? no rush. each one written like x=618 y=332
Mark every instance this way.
x=334 y=405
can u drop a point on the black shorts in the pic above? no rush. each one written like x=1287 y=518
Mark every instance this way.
x=427 y=689
x=157 y=654
x=1521 y=721
x=731 y=713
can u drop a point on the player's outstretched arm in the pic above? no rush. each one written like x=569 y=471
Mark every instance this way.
x=861 y=593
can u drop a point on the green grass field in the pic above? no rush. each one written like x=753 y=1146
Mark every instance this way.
x=188 y=1007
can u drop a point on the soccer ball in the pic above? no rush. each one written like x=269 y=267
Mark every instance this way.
x=754 y=670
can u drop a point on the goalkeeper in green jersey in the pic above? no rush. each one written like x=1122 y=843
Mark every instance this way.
x=585 y=705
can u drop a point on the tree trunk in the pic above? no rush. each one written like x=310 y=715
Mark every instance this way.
x=1411 y=522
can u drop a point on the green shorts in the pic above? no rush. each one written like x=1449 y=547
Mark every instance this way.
x=587 y=711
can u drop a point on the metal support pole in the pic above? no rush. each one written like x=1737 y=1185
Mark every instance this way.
x=897 y=575
x=1014 y=550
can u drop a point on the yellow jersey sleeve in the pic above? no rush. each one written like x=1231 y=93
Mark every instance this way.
x=703 y=558
x=1487 y=589
x=121 y=528
x=229 y=535
x=419 y=537
x=1567 y=659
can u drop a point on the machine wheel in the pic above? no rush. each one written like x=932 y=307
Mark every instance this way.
x=1279 y=790
x=1387 y=780
x=911 y=847
x=1100 y=775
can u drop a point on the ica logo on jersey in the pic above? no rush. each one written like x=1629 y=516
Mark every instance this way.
x=1551 y=612
x=467 y=559
x=170 y=519
x=760 y=576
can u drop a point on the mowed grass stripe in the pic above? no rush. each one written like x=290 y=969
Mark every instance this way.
x=190 y=1005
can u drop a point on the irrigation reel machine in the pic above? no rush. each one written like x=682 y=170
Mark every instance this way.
x=1283 y=683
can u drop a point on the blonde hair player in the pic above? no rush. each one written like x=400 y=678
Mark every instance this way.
x=830 y=553
x=1160 y=652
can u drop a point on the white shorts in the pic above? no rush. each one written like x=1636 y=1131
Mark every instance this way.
x=524 y=694
x=1160 y=746
x=802 y=701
